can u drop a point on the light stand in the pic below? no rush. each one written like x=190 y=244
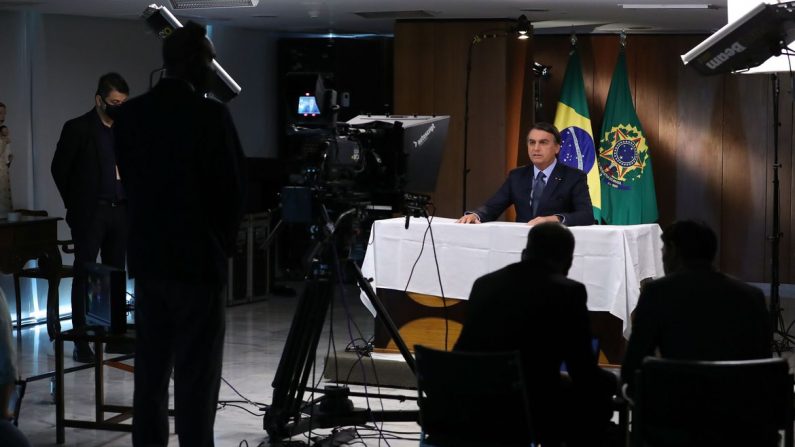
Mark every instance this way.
x=777 y=319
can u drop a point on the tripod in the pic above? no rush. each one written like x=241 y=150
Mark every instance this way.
x=283 y=418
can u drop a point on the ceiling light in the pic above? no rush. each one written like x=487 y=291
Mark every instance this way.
x=205 y=4
x=666 y=6
x=522 y=27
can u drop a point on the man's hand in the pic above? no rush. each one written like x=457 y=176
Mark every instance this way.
x=469 y=218
x=542 y=219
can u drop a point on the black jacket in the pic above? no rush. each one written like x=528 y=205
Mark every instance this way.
x=698 y=314
x=181 y=165
x=76 y=168
x=544 y=316
x=566 y=193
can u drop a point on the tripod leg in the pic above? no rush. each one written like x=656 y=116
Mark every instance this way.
x=297 y=358
x=382 y=313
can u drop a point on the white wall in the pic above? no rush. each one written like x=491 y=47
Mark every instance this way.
x=48 y=74
x=250 y=58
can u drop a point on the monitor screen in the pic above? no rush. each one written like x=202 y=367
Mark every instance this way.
x=106 y=297
x=307 y=106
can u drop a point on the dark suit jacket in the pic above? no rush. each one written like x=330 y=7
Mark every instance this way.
x=698 y=314
x=181 y=165
x=544 y=316
x=76 y=168
x=566 y=193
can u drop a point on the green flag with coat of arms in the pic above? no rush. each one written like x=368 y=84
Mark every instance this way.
x=628 y=195
x=577 y=148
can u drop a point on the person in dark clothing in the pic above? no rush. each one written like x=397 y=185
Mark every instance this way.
x=543 y=190
x=696 y=312
x=180 y=160
x=85 y=172
x=532 y=307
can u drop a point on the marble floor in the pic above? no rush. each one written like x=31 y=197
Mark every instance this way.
x=255 y=337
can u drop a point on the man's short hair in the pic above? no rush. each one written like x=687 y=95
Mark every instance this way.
x=550 y=242
x=184 y=45
x=110 y=82
x=2 y=105
x=694 y=241
x=549 y=128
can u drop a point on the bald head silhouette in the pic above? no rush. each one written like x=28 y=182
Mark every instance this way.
x=552 y=245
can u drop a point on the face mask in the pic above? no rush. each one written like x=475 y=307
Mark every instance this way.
x=110 y=109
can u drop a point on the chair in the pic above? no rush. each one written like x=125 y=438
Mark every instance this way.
x=472 y=399
x=709 y=403
x=66 y=271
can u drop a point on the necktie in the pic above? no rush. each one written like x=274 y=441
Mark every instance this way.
x=538 y=190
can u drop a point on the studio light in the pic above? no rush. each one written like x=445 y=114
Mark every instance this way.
x=206 y=4
x=541 y=70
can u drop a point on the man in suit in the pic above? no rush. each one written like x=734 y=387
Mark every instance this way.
x=180 y=160
x=85 y=172
x=531 y=307
x=543 y=191
x=696 y=312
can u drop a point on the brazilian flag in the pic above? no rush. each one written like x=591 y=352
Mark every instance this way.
x=624 y=162
x=577 y=148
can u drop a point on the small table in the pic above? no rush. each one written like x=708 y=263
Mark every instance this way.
x=122 y=412
x=33 y=237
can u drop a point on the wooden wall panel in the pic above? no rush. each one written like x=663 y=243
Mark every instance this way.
x=699 y=142
x=443 y=45
x=744 y=179
x=487 y=119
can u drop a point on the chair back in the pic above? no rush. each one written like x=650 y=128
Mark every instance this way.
x=472 y=399
x=710 y=403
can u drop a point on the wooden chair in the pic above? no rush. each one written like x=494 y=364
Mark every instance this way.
x=66 y=270
x=472 y=399
x=681 y=403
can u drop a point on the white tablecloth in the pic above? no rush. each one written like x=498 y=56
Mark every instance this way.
x=610 y=260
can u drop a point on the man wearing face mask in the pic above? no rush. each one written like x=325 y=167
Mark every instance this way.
x=85 y=172
x=180 y=160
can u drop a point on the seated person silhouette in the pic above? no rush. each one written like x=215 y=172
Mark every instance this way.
x=696 y=312
x=532 y=307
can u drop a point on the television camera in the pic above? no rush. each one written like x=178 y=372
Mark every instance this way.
x=343 y=173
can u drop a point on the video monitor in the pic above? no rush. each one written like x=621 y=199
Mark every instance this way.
x=307 y=106
x=106 y=297
x=309 y=100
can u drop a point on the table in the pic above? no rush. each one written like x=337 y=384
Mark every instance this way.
x=34 y=237
x=100 y=422
x=610 y=260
